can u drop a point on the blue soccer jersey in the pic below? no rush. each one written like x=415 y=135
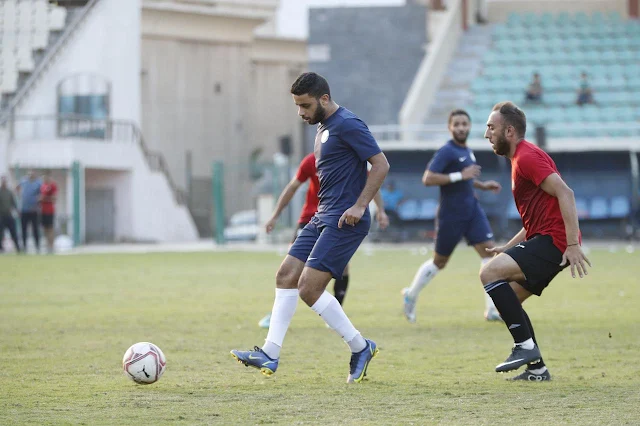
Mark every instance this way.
x=342 y=147
x=457 y=200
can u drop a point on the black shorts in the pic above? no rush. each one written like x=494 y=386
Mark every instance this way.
x=298 y=231
x=539 y=261
x=47 y=220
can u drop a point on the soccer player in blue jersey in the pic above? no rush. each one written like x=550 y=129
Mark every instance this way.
x=454 y=169
x=343 y=147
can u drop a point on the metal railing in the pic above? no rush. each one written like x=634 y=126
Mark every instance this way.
x=56 y=127
x=68 y=126
x=436 y=133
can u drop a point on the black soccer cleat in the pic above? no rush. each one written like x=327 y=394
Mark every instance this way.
x=519 y=357
x=532 y=377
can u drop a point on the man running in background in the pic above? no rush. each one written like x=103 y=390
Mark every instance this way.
x=454 y=169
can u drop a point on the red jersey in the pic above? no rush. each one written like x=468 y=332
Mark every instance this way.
x=540 y=211
x=48 y=190
x=307 y=170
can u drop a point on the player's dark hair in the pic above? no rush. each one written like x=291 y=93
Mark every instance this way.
x=458 y=112
x=311 y=84
x=513 y=116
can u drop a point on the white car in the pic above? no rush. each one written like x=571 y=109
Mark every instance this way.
x=243 y=226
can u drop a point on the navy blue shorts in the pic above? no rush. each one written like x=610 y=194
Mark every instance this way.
x=475 y=230
x=326 y=248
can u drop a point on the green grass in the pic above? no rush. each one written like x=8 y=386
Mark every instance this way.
x=66 y=321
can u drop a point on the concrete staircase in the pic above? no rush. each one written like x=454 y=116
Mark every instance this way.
x=454 y=92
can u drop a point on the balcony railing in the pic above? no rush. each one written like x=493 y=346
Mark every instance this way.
x=56 y=127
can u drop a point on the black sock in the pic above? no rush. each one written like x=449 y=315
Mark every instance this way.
x=340 y=288
x=510 y=309
x=540 y=363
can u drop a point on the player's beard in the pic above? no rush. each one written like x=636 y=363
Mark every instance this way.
x=502 y=146
x=461 y=140
x=318 y=116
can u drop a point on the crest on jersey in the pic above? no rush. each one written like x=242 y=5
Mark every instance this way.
x=325 y=136
x=473 y=157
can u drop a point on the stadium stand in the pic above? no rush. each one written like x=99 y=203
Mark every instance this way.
x=25 y=28
x=560 y=48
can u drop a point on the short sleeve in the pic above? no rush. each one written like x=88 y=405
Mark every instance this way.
x=440 y=160
x=357 y=135
x=306 y=168
x=535 y=167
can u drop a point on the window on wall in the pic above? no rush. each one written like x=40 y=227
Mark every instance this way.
x=83 y=106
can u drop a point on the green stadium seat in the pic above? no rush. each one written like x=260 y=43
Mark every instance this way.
x=562 y=18
x=614 y=17
x=559 y=47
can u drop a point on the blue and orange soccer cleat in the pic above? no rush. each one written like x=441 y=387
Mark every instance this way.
x=256 y=359
x=360 y=361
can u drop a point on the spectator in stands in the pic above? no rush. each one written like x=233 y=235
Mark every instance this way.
x=585 y=94
x=29 y=190
x=392 y=198
x=534 y=91
x=8 y=207
x=48 y=193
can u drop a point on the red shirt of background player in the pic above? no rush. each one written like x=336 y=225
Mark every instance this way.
x=48 y=190
x=307 y=170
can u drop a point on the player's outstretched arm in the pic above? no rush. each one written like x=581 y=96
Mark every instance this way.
x=379 y=170
x=573 y=255
x=438 y=179
x=519 y=237
x=283 y=201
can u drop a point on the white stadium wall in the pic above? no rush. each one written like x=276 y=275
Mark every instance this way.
x=145 y=206
x=106 y=43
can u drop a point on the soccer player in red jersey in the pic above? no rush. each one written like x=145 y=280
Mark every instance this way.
x=307 y=172
x=48 y=194
x=548 y=242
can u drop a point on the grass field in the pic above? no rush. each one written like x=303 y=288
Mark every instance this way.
x=65 y=322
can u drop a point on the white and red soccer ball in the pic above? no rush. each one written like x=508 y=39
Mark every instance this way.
x=144 y=363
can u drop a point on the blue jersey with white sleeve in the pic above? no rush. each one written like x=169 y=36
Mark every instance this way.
x=457 y=200
x=342 y=147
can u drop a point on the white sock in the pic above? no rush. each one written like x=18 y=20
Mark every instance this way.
x=284 y=306
x=488 y=301
x=538 y=370
x=425 y=273
x=331 y=312
x=527 y=344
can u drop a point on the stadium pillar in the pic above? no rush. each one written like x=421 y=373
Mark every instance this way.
x=465 y=11
x=634 y=9
x=217 y=188
x=77 y=175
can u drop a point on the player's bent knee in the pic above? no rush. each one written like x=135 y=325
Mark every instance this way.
x=288 y=274
x=490 y=273
x=440 y=261
x=309 y=292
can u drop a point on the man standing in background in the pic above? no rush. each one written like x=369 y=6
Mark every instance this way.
x=29 y=190
x=48 y=193
x=7 y=207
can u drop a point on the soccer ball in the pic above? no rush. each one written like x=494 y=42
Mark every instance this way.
x=144 y=363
